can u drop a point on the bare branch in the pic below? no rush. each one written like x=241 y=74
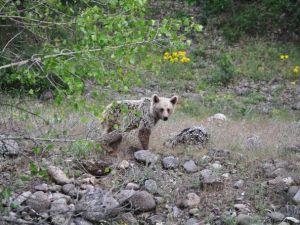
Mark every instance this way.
x=2 y=138
x=34 y=20
x=11 y=40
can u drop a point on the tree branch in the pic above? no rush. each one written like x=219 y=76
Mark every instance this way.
x=2 y=138
x=64 y=53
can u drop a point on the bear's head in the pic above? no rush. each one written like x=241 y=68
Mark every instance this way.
x=162 y=107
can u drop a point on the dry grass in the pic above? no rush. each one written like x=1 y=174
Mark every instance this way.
x=254 y=139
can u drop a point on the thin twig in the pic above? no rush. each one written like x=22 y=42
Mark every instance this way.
x=12 y=40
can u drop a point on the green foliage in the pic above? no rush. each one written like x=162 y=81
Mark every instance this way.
x=277 y=18
x=111 y=43
x=225 y=72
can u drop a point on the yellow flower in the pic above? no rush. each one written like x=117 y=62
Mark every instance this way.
x=172 y=60
x=175 y=54
x=166 y=54
x=166 y=57
x=182 y=53
x=185 y=60
x=176 y=59
x=296 y=69
x=286 y=56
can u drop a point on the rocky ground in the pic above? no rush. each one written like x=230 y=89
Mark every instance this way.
x=217 y=186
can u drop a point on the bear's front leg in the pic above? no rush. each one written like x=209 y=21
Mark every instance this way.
x=144 y=136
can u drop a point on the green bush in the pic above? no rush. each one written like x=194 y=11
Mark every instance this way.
x=275 y=18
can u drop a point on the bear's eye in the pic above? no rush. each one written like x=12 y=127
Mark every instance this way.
x=168 y=110
x=161 y=109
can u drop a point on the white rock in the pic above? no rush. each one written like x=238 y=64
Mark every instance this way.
x=218 y=116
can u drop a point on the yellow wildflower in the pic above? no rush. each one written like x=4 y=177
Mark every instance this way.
x=282 y=57
x=175 y=54
x=166 y=54
x=296 y=69
x=286 y=56
x=182 y=53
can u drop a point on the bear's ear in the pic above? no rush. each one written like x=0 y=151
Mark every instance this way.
x=174 y=100
x=155 y=99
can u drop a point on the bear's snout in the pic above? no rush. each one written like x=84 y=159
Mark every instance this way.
x=165 y=118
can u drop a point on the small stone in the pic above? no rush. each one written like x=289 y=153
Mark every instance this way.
x=22 y=198
x=293 y=190
x=296 y=198
x=38 y=201
x=8 y=147
x=55 y=188
x=124 y=195
x=151 y=186
x=159 y=200
x=243 y=219
x=129 y=218
x=176 y=212
x=56 y=196
x=276 y=216
x=241 y=208
x=69 y=189
x=142 y=201
x=192 y=221
x=225 y=175
x=157 y=219
x=217 y=117
x=81 y=221
x=123 y=165
x=132 y=186
x=216 y=166
x=191 y=200
x=194 y=211
x=58 y=175
x=190 y=166
x=42 y=187
x=239 y=184
x=170 y=162
x=60 y=212
x=146 y=156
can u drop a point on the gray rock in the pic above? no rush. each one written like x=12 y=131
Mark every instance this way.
x=22 y=198
x=190 y=166
x=157 y=219
x=81 y=221
x=38 y=201
x=128 y=218
x=42 y=187
x=191 y=200
x=176 y=212
x=97 y=205
x=243 y=219
x=132 y=186
x=219 y=153
x=56 y=196
x=69 y=189
x=192 y=221
x=159 y=200
x=210 y=181
x=60 y=212
x=239 y=184
x=292 y=220
x=293 y=190
x=197 y=136
x=241 y=208
x=58 y=175
x=194 y=211
x=170 y=162
x=276 y=216
x=217 y=117
x=146 y=156
x=151 y=186
x=296 y=198
x=8 y=147
x=296 y=106
x=123 y=165
x=55 y=188
x=124 y=195
x=142 y=201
